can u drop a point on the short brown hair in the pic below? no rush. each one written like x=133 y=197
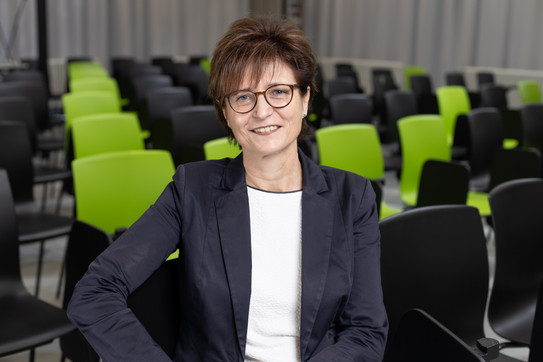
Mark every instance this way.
x=250 y=44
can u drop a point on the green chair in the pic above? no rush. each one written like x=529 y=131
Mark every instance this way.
x=97 y=84
x=423 y=138
x=77 y=104
x=220 y=148
x=453 y=101
x=528 y=91
x=112 y=190
x=103 y=133
x=86 y=70
x=408 y=71
x=355 y=148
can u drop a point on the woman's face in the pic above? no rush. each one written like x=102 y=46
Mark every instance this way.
x=266 y=130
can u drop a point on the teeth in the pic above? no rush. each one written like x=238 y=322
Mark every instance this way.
x=266 y=129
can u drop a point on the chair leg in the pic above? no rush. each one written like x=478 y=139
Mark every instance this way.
x=32 y=354
x=40 y=262
x=44 y=197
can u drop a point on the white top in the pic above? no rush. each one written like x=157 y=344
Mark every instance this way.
x=273 y=332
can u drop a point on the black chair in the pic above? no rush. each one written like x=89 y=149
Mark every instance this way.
x=495 y=95
x=32 y=75
x=435 y=258
x=484 y=78
x=34 y=225
x=36 y=92
x=319 y=107
x=350 y=108
x=514 y=164
x=399 y=104
x=443 y=183
x=85 y=243
x=156 y=304
x=340 y=85
x=532 y=125
x=161 y=101
x=195 y=78
x=27 y=322
x=536 y=342
x=347 y=70
x=142 y=85
x=119 y=69
x=133 y=71
x=518 y=228
x=186 y=131
x=19 y=109
x=485 y=131
x=422 y=88
x=421 y=338
x=382 y=82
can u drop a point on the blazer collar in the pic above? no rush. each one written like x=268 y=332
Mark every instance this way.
x=232 y=210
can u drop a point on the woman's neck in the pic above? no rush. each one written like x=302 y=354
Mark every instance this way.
x=277 y=173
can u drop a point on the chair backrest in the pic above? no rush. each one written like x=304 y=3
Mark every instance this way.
x=195 y=78
x=435 y=258
x=531 y=117
x=422 y=137
x=455 y=78
x=33 y=75
x=486 y=137
x=493 y=95
x=156 y=303
x=443 y=183
x=16 y=159
x=350 y=108
x=146 y=82
x=421 y=338
x=112 y=190
x=484 y=78
x=518 y=228
x=221 y=148
x=536 y=344
x=512 y=164
x=108 y=132
x=347 y=70
x=19 y=109
x=398 y=104
x=186 y=131
x=409 y=71
x=80 y=104
x=453 y=101
x=85 y=243
x=161 y=101
x=85 y=69
x=10 y=270
x=351 y=147
x=341 y=85
x=422 y=88
x=36 y=92
x=105 y=84
x=528 y=91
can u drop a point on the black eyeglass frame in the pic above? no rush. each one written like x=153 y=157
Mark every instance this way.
x=291 y=86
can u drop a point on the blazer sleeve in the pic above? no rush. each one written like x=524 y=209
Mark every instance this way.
x=98 y=306
x=362 y=329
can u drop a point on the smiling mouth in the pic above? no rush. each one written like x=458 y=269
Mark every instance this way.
x=266 y=129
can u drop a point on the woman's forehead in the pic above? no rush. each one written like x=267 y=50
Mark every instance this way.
x=268 y=74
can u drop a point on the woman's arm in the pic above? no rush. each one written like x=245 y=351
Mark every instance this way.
x=98 y=306
x=362 y=328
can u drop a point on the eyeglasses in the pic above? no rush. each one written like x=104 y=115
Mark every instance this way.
x=277 y=96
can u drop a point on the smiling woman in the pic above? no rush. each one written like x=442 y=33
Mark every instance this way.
x=280 y=256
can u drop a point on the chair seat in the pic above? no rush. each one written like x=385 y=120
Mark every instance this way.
x=480 y=201
x=32 y=322
x=41 y=226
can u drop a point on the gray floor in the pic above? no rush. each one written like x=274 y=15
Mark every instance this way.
x=53 y=258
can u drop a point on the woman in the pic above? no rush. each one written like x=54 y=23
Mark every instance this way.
x=279 y=257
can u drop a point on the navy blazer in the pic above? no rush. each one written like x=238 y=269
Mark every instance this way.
x=204 y=212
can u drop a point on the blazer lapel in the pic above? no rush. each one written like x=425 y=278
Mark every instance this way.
x=235 y=236
x=317 y=225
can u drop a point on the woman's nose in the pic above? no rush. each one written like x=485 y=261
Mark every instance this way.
x=262 y=107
